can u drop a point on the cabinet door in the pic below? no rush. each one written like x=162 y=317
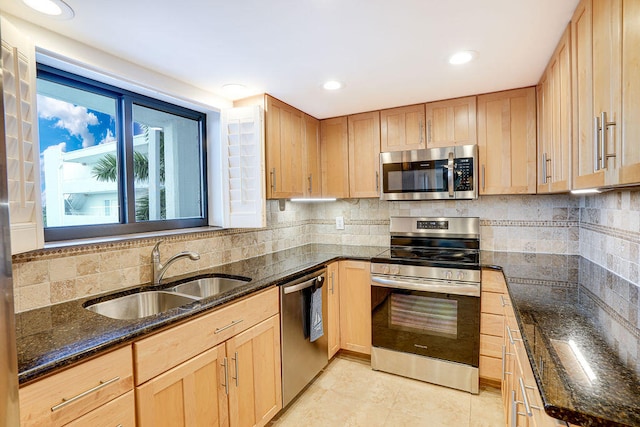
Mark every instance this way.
x=21 y=136
x=585 y=153
x=507 y=142
x=402 y=128
x=334 y=149
x=629 y=152
x=284 y=141
x=191 y=394
x=364 y=155
x=255 y=393
x=333 y=308
x=355 y=306
x=312 y=177
x=451 y=122
x=119 y=412
x=545 y=112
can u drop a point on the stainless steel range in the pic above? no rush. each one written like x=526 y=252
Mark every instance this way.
x=425 y=301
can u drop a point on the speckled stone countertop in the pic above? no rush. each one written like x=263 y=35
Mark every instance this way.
x=554 y=308
x=54 y=337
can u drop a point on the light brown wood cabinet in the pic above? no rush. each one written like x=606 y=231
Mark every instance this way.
x=223 y=368
x=333 y=308
x=311 y=164
x=78 y=392
x=403 y=128
x=554 y=120
x=364 y=155
x=507 y=142
x=491 y=326
x=451 y=122
x=334 y=154
x=355 y=306
x=606 y=86
x=284 y=130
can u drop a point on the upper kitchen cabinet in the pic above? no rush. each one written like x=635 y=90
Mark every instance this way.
x=507 y=142
x=334 y=149
x=21 y=136
x=606 y=66
x=554 y=121
x=364 y=154
x=311 y=149
x=402 y=128
x=451 y=122
x=284 y=149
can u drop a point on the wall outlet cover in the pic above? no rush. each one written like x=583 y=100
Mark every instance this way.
x=339 y=223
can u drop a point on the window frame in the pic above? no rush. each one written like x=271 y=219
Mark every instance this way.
x=125 y=100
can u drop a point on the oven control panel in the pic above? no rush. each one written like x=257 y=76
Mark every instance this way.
x=417 y=271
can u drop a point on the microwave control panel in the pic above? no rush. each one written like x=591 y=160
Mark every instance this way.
x=463 y=174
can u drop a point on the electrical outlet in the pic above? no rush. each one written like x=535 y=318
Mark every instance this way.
x=339 y=223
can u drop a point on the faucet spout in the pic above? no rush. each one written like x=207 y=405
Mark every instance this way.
x=159 y=269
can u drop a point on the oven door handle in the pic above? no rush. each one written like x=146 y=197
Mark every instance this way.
x=425 y=285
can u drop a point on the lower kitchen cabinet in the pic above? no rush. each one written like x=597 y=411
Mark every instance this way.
x=491 y=326
x=333 y=308
x=87 y=392
x=220 y=369
x=355 y=306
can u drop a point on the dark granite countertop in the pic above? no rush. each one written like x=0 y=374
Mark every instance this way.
x=56 y=336
x=554 y=308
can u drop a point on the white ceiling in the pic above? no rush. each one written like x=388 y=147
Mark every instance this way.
x=387 y=53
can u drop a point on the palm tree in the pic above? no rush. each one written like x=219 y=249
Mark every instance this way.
x=106 y=170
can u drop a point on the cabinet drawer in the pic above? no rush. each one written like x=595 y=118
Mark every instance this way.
x=490 y=302
x=70 y=394
x=492 y=324
x=118 y=412
x=491 y=346
x=162 y=351
x=490 y=368
x=493 y=281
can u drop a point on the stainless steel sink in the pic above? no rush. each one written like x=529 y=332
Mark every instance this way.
x=137 y=306
x=207 y=286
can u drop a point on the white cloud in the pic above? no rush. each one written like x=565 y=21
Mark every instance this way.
x=109 y=137
x=74 y=119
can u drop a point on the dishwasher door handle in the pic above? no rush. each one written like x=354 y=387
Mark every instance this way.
x=304 y=285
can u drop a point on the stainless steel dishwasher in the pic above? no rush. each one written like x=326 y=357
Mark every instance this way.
x=302 y=360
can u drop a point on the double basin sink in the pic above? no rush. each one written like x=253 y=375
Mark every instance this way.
x=149 y=303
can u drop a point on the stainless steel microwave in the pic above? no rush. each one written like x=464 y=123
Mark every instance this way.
x=436 y=173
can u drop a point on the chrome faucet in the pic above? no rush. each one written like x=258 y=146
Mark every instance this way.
x=159 y=269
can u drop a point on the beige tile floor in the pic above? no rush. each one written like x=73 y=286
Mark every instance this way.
x=350 y=393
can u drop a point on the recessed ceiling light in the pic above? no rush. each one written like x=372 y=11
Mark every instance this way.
x=234 y=90
x=462 y=57
x=54 y=8
x=332 y=85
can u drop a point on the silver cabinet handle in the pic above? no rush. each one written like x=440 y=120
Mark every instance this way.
x=504 y=301
x=235 y=360
x=483 y=177
x=226 y=376
x=310 y=183
x=544 y=168
x=429 y=131
x=504 y=362
x=273 y=179
x=421 y=126
x=512 y=340
x=332 y=282
x=70 y=400
x=514 y=409
x=377 y=181
x=596 y=144
x=235 y=322
x=605 y=133
x=525 y=399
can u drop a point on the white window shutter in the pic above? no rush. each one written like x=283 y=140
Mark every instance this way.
x=243 y=167
x=21 y=136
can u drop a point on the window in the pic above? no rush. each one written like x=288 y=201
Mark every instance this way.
x=115 y=162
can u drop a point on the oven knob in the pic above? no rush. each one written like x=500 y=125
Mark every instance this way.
x=461 y=275
x=385 y=269
x=395 y=269
x=448 y=275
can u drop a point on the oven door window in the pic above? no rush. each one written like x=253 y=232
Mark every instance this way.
x=411 y=177
x=442 y=326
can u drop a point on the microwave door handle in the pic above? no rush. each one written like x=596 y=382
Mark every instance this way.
x=450 y=174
